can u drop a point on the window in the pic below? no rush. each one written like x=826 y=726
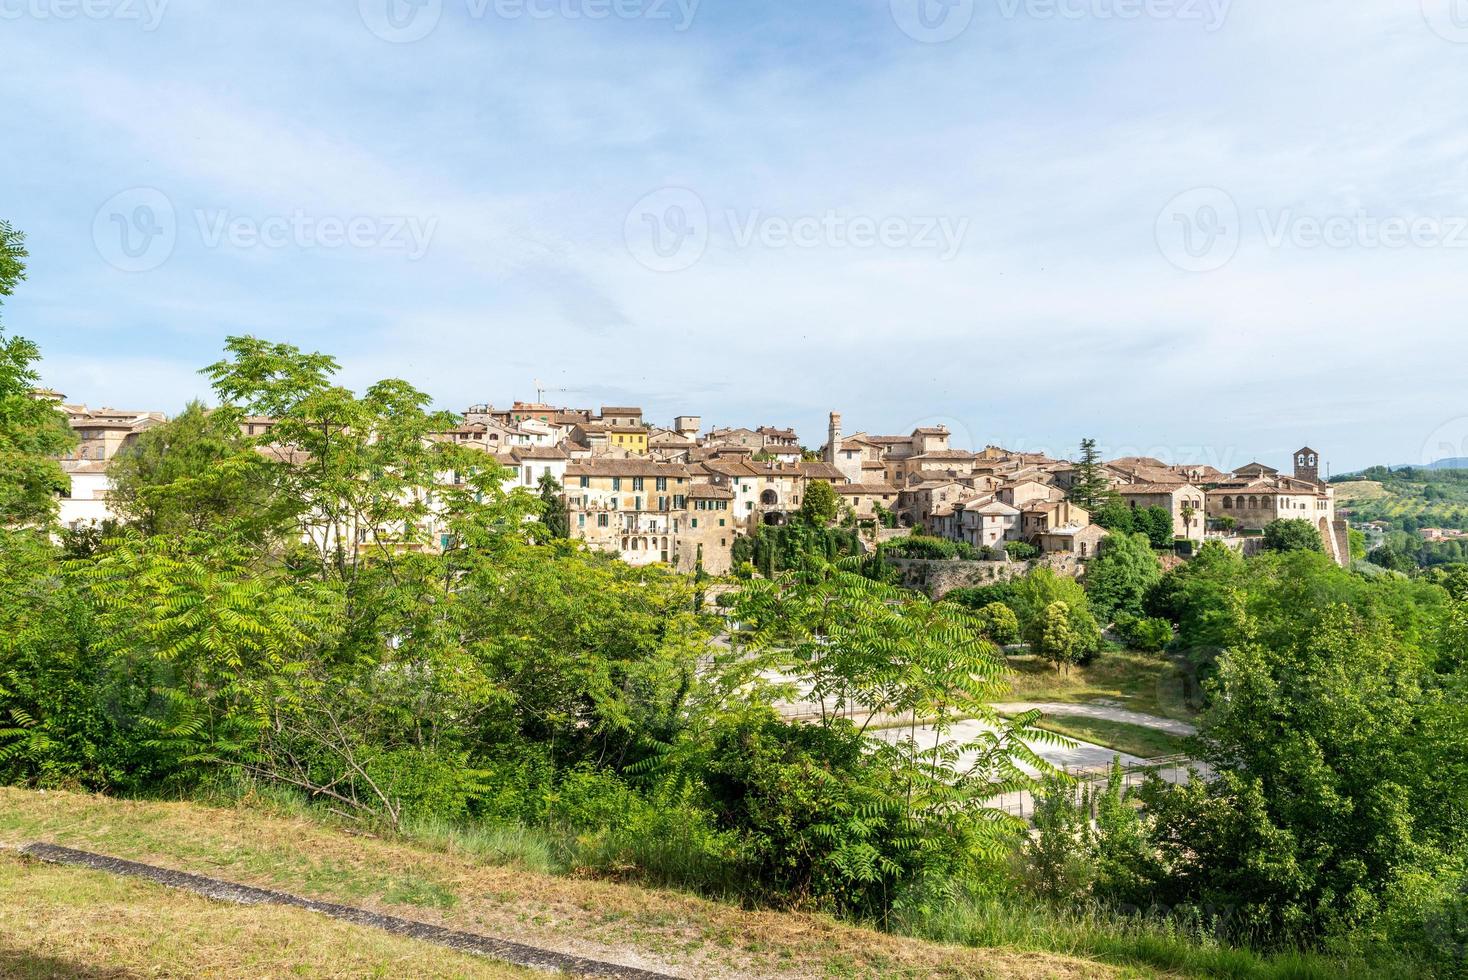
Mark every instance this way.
x=636 y=503
x=580 y=520
x=662 y=483
x=721 y=522
x=616 y=483
x=679 y=501
x=585 y=482
x=693 y=522
x=637 y=483
x=601 y=520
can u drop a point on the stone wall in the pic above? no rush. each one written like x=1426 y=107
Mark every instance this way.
x=939 y=577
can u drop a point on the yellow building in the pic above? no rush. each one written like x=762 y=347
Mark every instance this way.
x=632 y=438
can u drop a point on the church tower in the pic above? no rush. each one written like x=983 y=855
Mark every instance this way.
x=1307 y=465
x=833 y=438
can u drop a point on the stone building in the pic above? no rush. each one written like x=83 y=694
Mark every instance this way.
x=1183 y=501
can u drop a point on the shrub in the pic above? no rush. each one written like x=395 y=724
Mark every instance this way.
x=1021 y=550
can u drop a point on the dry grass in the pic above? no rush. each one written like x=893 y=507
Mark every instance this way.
x=1358 y=490
x=661 y=930
x=70 y=922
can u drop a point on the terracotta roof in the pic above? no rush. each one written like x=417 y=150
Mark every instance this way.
x=708 y=491
x=815 y=470
x=620 y=410
x=625 y=467
x=1149 y=488
x=539 y=452
x=851 y=489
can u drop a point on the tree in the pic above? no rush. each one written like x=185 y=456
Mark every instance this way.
x=32 y=432
x=858 y=649
x=1393 y=560
x=1156 y=524
x=1001 y=626
x=193 y=472
x=1090 y=488
x=1115 y=516
x=1053 y=638
x=553 y=515
x=819 y=507
x=1120 y=577
x=1294 y=534
x=1034 y=594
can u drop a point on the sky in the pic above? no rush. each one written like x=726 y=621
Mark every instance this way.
x=1207 y=230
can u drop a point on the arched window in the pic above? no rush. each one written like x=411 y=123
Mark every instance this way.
x=1239 y=502
x=769 y=498
x=1228 y=503
x=1253 y=503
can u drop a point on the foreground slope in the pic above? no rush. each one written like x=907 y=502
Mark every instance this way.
x=653 y=929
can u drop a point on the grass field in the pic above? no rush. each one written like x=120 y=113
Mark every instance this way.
x=1146 y=743
x=458 y=885
x=70 y=922
x=1149 y=683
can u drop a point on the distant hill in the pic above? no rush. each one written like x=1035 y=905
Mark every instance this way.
x=1409 y=497
x=1452 y=463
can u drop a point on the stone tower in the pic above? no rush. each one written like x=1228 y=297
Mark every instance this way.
x=1307 y=465
x=833 y=438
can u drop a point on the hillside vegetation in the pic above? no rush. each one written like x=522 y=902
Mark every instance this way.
x=1408 y=498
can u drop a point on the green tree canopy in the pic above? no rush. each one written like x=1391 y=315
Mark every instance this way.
x=1120 y=577
x=819 y=507
x=1293 y=534
x=32 y=432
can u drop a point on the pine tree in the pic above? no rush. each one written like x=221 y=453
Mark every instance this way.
x=1090 y=489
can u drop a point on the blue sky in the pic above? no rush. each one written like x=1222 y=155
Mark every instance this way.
x=1201 y=229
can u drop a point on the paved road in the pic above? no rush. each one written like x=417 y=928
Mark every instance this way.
x=1103 y=712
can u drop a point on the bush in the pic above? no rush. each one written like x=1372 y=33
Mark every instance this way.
x=1149 y=634
x=1021 y=550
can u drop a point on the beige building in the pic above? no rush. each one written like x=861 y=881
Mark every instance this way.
x=1073 y=539
x=103 y=432
x=648 y=511
x=865 y=498
x=1183 y=501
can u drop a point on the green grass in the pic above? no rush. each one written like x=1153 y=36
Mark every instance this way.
x=1008 y=923
x=1152 y=684
x=1147 y=743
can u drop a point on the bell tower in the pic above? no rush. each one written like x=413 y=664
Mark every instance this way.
x=833 y=438
x=1307 y=465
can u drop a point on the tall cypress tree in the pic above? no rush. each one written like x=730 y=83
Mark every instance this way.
x=554 y=517
x=1090 y=489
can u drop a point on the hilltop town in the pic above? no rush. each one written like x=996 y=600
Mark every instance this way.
x=682 y=495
